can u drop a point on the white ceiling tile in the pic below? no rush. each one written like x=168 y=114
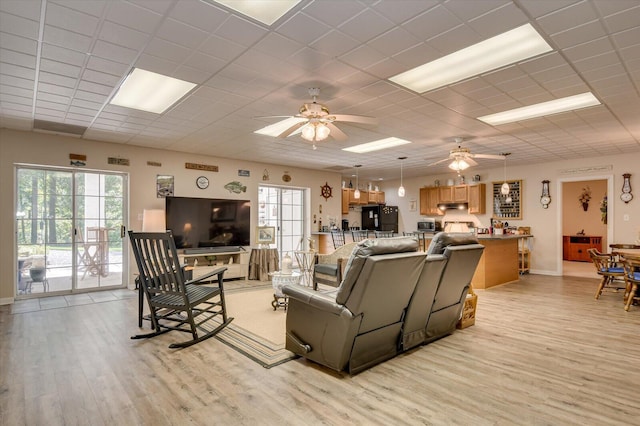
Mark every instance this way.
x=204 y=62
x=221 y=48
x=66 y=39
x=571 y=16
x=167 y=50
x=18 y=44
x=394 y=41
x=132 y=16
x=542 y=7
x=109 y=67
x=303 y=29
x=17 y=58
x=95 y=87
x=417 y=55
x=453 y=40
x=180 y=33
x=580 y=34
x=432 y=22
x=71 y=20
x=18 y=26
x=155 y=64
x=55 y=67
x=113 y=52
x=199 y=14
x=24 y=9
x=123 y=36
x=16 y=91
x=61 y=54
x=497 y=21
x=91 y=7
x=55 y=89
x=192 y=75
x=334 y=43
x=624 y=20
x=240 y=31
x=100 y=77
x=15 y=99
x=159 y=6
x=278 y=46
x=17 y=71
x=362 y=57
x=366 y=25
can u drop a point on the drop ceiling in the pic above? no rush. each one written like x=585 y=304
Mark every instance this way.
x=62 y=60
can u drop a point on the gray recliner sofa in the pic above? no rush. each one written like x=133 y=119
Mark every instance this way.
x=392 y=298
x=359 y=326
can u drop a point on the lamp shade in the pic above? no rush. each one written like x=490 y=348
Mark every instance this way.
x=153 y=220
x=456 y=227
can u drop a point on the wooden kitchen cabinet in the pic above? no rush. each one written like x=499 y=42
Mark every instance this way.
x=459 y=194
x=376 y=197
x=345 y=200
x=477 y=198
x=445 y=194
x=429 y=199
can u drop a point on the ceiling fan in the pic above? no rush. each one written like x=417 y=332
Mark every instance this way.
x=314 y=122
x=462 y=158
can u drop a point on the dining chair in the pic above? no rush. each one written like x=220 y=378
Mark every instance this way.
x=337 y=236
x=609 y=269
x=359 y=234
x=383 y=234
x=631 y=264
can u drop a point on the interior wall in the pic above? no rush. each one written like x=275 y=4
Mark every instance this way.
x=53 y=150
x=574 y=218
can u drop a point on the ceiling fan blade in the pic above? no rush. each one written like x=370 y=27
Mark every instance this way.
x=470 y=161
x=292 y=129
x=273 y=116
x=490 y=156
x=356 y=119
x=439 y=161
x=336 y=133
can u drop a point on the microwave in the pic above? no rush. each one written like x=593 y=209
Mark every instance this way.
x=428 y=226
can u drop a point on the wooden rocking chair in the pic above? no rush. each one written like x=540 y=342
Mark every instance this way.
x=177 y=304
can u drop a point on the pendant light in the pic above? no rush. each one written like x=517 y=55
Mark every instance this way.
x=504 y=189
x=356 y=193
x=401 y=189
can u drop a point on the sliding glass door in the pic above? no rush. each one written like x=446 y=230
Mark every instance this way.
x=285 y=209
x=68 y=230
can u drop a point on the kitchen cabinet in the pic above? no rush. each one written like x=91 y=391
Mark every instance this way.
x=477 y=198
x=345 y=200
x=429 y=199
x=575 y=247
x=376 y=197
x=474 y=195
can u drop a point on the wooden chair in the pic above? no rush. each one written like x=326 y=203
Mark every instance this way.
x=359 y=235
x=631 y=264
x=329 y=268
x=88 y=256
x=175 y=303
x=608 y=268
x=383 y=234
x=338 y=238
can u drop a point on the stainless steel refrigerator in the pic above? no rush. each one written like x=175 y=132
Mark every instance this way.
x=380 y=218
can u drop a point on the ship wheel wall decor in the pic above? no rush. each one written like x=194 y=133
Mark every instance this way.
x=325 y=191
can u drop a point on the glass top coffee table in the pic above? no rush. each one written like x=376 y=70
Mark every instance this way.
x=278 y=279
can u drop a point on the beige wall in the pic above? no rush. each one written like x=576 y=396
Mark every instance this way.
x=546 y=224
x=43 y=149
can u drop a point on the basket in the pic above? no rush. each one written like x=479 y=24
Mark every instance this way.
x=468 y=317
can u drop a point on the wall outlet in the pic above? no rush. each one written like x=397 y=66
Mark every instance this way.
x=625 y=218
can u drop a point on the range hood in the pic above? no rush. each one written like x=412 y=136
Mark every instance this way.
x=450 y=206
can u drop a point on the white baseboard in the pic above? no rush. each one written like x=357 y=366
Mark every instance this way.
x=543 y=272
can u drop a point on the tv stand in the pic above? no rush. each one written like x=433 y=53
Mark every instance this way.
x=206 y=259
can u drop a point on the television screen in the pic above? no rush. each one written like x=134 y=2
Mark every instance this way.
x=208 y=222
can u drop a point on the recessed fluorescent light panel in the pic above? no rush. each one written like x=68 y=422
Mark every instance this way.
x=276 y=129
x=265 y=11
x=556 y=106
x=149 y=91
x=508 y=48
x=376 y=145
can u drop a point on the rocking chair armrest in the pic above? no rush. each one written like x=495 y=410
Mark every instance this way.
x=206 y=277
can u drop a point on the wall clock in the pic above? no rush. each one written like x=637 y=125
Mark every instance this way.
x=202 y=182
x=626 y=195
x=545 y=198
x=325 y=191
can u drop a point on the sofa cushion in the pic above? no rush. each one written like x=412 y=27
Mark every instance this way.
x=326 y=269
x=443 y=239
x=366 y=248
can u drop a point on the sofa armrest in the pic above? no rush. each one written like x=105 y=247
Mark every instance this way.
x=313 y=298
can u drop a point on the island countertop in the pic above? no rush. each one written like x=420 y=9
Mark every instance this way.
x=502 y=237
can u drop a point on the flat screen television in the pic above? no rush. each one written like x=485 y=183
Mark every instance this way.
x=199 y=223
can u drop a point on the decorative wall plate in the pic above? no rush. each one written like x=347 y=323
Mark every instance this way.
x=202 y=182
x=286 y=177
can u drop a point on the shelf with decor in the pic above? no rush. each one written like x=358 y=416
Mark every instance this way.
x=203 y=262
x=507 y=206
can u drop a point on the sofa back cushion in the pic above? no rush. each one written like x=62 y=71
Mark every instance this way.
x=443 y=239
x=364 y=249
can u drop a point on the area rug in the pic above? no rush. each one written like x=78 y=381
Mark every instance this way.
x=257 y=331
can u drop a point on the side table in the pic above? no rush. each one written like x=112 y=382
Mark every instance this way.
x=278 y=279
x=262 y=261
x=306 y=261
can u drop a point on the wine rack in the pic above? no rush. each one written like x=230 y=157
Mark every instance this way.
x=507 y=210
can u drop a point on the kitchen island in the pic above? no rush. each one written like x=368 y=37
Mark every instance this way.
x=500 y=261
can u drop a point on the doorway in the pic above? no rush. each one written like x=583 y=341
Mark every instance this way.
x=69 y=227
x=285 y=209
x=585 y=218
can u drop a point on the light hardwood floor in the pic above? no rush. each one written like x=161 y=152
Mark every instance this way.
x=542 y=352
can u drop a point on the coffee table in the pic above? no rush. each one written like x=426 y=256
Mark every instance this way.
x=278 y=279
